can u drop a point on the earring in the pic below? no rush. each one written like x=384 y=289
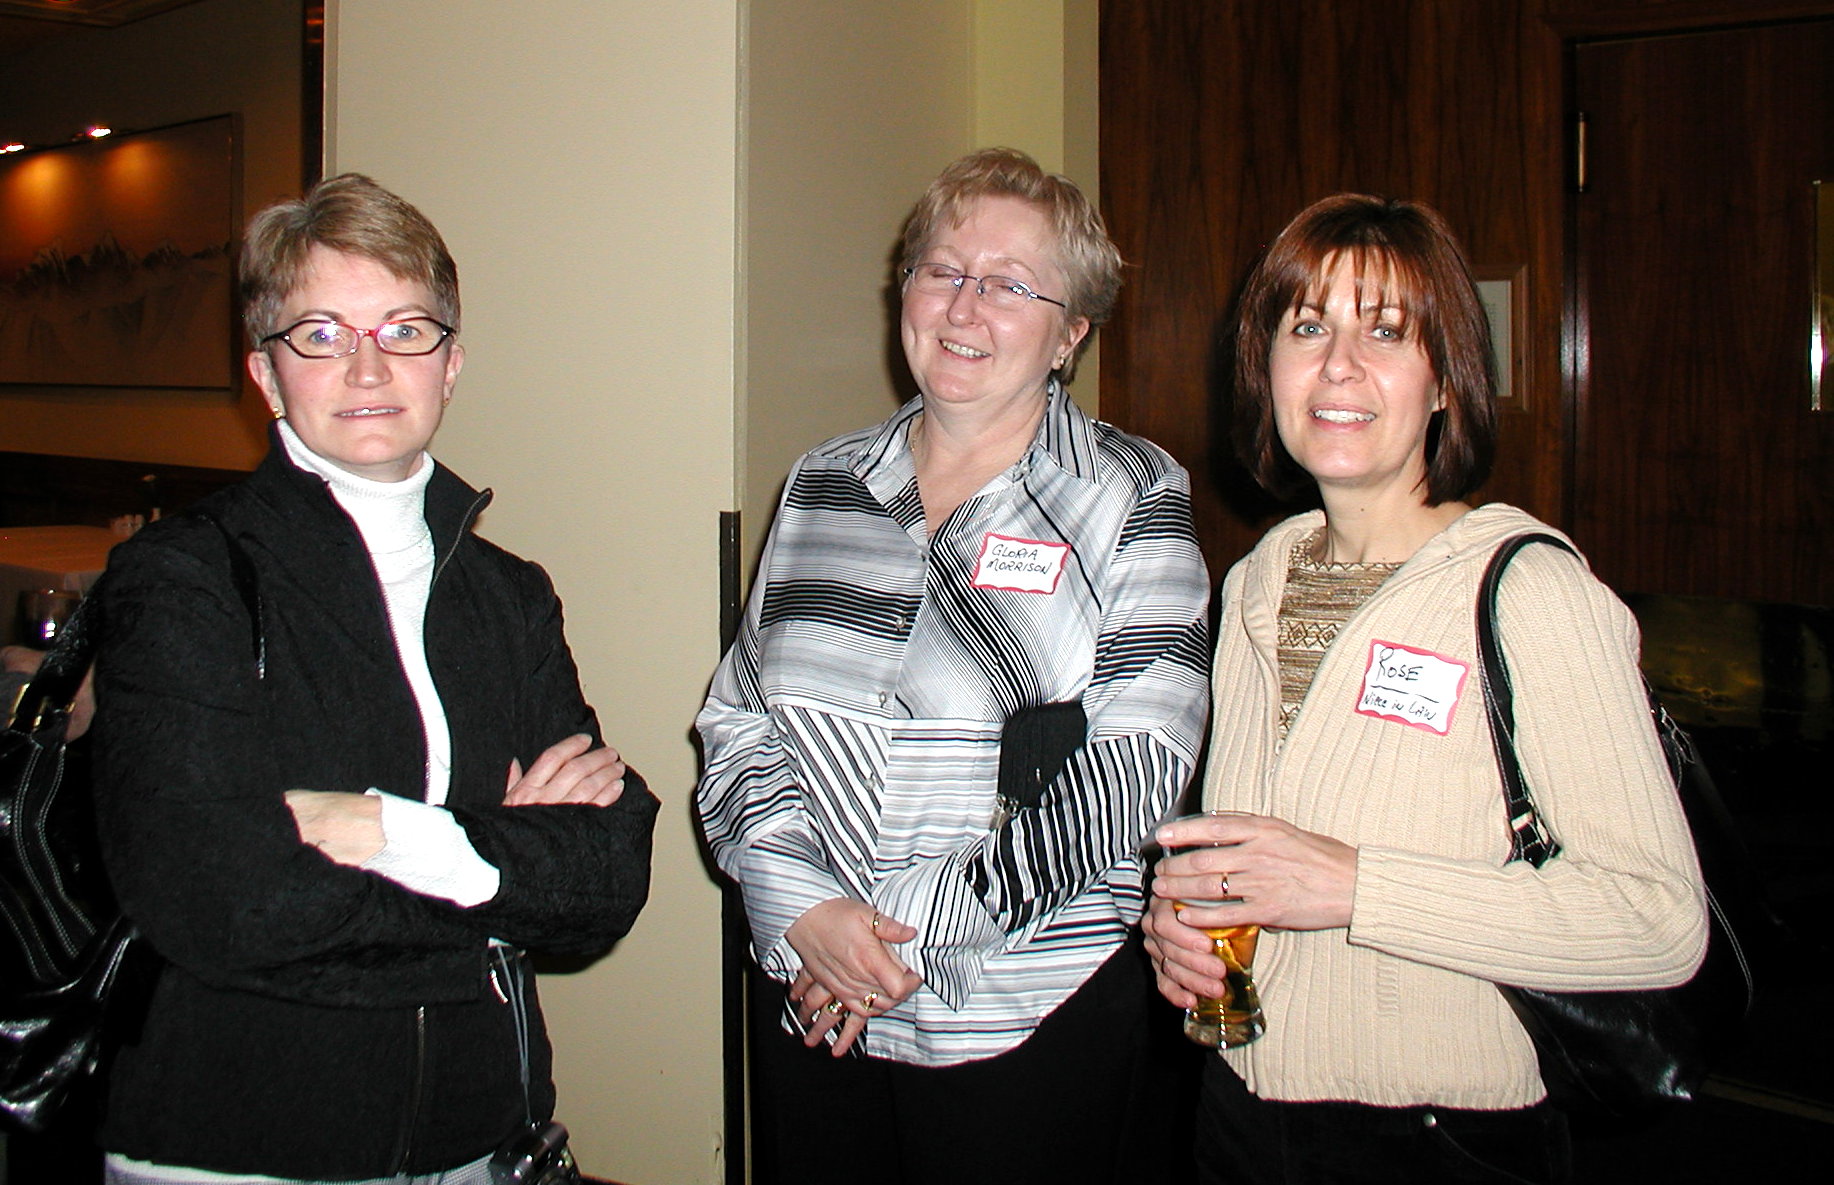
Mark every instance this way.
x=278 y=412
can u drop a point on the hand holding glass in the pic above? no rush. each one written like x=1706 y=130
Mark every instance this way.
x=1233 y=1018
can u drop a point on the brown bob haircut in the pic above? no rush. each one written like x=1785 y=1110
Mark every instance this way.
x=348 y=213
x=1090 y=262
x=1409 y=255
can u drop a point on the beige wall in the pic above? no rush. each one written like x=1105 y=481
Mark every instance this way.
x=851 y=109
x=717 y=185
x=582 y=168
x=835 y=152
x=1035 y=76
x=212 y=58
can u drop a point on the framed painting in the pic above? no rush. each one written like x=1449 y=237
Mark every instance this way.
x=117 y=261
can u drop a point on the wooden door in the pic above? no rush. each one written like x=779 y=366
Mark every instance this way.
x=1699 y=468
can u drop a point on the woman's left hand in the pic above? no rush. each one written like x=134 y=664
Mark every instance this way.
x=346 y=827
x=568 y=771
x=1273 y=873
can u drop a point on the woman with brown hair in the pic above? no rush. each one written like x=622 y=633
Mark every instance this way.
x=1367 y=832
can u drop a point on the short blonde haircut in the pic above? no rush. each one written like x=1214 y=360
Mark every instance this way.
x=1090 y=262
x=348 y=213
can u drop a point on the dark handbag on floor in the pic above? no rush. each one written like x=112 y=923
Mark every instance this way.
x=1625 y=1053
x=64 y=943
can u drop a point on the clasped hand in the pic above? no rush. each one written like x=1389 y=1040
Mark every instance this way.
x=849 y=971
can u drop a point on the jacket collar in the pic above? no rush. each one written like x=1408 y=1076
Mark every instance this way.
x=305 y=500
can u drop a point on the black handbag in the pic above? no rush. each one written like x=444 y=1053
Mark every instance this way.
x=1625 y=1053
x=65 y=943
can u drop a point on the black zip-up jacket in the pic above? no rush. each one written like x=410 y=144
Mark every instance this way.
x=314 y=1020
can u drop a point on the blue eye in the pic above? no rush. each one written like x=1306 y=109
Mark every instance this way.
x=401 y=332
x=323 y=333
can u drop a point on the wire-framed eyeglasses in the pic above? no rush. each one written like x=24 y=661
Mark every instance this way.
x=321 y=337
x=1002 y=292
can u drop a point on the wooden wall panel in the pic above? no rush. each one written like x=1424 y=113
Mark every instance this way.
x=1220 y=121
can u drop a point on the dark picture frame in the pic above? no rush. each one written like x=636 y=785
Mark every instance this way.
x=117 y=261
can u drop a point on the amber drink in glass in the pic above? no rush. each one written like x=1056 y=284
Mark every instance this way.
x=1233 y=1018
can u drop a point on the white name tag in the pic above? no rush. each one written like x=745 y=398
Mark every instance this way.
x=1019 y=565
x=1415 y=687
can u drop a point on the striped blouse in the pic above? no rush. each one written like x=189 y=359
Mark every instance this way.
x=852 y=732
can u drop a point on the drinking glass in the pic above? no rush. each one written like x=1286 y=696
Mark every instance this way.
x=1233 y=1018
x=42 y=614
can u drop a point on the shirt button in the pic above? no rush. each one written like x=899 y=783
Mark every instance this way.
x=884 y=698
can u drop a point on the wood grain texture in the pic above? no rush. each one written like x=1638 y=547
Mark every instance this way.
x=1221 y=120
x=1700 y=469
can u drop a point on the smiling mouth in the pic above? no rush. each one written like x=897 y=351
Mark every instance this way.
x=368 y=411
x=1332 y=415
x=961 y=351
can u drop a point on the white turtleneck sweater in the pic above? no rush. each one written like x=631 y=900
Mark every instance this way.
x=424 y=848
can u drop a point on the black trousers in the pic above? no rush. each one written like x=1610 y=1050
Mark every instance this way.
x=1246 y=1140
x=1089 y=1097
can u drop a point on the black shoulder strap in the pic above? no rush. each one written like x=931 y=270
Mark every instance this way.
x=53 y=688
x=1530 y=839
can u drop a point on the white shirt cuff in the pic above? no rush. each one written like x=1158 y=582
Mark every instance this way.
x=425 y=850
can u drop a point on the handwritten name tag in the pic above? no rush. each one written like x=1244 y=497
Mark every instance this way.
x=1019 y=565
x=1415 y=687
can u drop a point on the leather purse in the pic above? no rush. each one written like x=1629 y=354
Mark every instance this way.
x=64 y=943
x=1623 y=1054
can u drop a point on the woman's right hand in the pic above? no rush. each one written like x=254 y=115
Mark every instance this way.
x=1185 y=962
x=845 y=946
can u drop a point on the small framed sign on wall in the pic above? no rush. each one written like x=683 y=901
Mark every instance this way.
x=1504 y=292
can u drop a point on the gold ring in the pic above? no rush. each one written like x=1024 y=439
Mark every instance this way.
x=871 y=1001
x=833 y=1007
x=875 y=921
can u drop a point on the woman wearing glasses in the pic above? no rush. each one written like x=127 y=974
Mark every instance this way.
x=344 y=769
x=969 y=681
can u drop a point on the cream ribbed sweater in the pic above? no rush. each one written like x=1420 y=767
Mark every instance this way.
x=1401 y=1009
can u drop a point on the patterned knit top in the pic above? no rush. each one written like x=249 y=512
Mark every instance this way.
x=1319 y=598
